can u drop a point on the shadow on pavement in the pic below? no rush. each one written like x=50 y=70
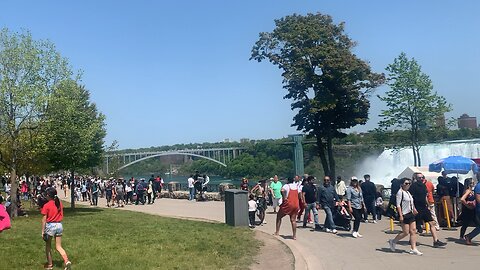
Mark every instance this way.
x=387 y=250
x=460 y=241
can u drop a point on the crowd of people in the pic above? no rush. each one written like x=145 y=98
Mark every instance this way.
x=412 y=203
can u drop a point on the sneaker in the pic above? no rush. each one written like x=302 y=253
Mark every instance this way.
x=439 y=243
x=334 y=231
x=355 y=234
x=264 y=222
x=374 y=222
x=318 y=228
x=328 y=230
x=415 y=252
x=391 y=243
x=359 y=235
x=310 y=222
x=48 y=266
x=68 y=265
x=304 y=226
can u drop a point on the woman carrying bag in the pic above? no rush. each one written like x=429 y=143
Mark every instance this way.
x=406 y=211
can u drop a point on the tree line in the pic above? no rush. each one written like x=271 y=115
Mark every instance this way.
x=47 y=121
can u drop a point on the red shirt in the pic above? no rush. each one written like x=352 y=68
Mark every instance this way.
x=430 y=189
x=50 y=210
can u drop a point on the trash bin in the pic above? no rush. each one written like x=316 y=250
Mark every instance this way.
x=236 y=207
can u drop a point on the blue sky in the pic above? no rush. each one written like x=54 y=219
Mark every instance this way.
x=167 y=72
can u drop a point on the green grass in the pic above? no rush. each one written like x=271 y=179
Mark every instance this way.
x=112 y=239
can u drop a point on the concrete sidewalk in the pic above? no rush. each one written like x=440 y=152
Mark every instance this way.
x=320 y=250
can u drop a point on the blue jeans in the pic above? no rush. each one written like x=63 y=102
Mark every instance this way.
x=329 y=224
x=311 y=206
x=192 y=193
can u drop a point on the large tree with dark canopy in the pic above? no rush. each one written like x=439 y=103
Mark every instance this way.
x=328 y=84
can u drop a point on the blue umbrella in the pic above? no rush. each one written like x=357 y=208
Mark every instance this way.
x=454 y=164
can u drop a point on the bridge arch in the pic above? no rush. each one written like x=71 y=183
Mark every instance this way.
x=172 y=153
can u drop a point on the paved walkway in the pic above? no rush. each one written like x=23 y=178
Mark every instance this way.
x=320 y=250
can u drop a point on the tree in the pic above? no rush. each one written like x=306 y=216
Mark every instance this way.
x=75 y=129
x=29 y=70
x=328 y=84
x=411 y=101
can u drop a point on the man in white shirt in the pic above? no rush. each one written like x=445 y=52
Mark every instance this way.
x=340 y=187
x=191 y=188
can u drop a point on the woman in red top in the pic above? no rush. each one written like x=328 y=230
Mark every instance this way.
x=52 y=213
x=289 y=206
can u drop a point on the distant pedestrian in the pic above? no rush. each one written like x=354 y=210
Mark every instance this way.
x=468 y=238
x=275 y=190
x=369 y=192
x=244 y=184
x=52 y=227
x=419 y=193
x=467 y=217
x=327 y=198
x=252 y=209
x=191 y=188
x=340 y=188
x=310 y=194
x=355 y=204
x=290 y=200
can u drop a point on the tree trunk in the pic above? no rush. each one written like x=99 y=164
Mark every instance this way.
x=13 y=193
x=321 y=154
x=331 y=158
x=72 y=191
x=419 y=161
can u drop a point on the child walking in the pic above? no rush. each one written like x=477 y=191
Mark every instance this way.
x=52 y=227
x=252 y=208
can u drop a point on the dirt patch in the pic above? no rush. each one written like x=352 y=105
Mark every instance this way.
x=273 y=254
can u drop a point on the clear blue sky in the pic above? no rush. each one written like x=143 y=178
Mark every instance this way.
x=167 y=72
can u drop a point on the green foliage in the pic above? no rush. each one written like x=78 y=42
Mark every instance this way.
x=328 y=84
x=75 y=130
x=411 y=102
x=29 y=72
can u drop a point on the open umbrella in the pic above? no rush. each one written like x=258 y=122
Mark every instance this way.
x=454 y=164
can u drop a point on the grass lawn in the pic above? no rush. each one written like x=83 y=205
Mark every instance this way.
x=112 y=239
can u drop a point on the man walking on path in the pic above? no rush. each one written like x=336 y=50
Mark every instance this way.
x=310 y=194
x=369 y=195
x=419 y=194
x=431 y=201
x=275 y=190
x=327 y=198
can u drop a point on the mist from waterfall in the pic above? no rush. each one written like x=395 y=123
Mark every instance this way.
x=392 y=162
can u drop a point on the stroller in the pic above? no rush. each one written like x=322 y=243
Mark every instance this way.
x=341 y=218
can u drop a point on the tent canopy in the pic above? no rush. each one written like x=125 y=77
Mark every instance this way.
x=410 y=170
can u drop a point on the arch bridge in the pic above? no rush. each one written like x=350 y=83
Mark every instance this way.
x=218 y=155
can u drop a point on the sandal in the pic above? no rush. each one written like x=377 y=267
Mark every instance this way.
x=468 y=241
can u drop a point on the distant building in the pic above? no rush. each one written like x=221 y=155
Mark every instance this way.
x=244 y=140
x=227 y=140
x=466 y=121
